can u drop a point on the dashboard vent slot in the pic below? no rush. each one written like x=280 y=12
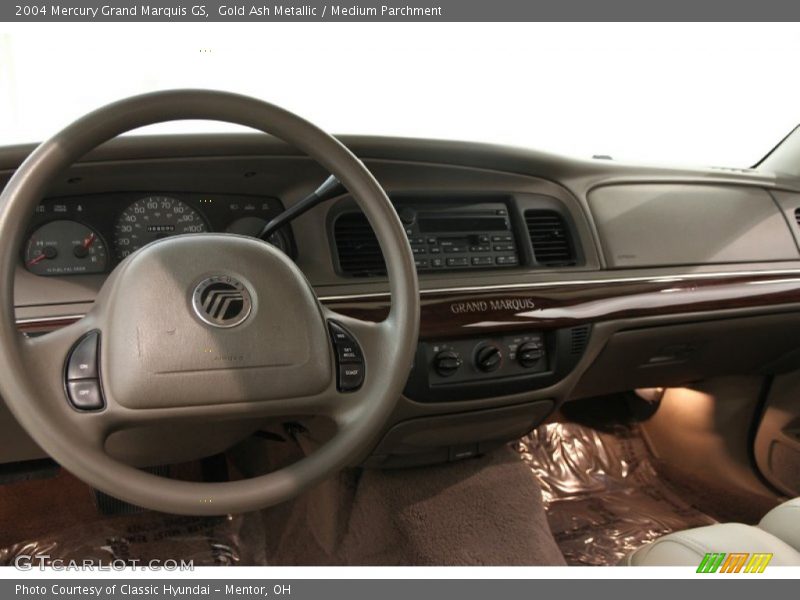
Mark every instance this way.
x=797 y=216
x=550 y=238
x=357 y=247
x=579 y=339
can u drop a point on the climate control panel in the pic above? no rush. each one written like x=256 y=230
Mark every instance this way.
x=468 y=360
x=469 y=368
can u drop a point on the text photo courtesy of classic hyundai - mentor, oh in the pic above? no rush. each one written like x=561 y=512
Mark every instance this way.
x=285 y=348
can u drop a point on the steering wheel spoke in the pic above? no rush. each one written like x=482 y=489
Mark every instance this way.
x=67 y=382
x=68 y=361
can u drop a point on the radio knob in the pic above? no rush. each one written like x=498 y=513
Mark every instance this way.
x=407 y=216
x=447 y=362
x=488 y=358
x=529 y=353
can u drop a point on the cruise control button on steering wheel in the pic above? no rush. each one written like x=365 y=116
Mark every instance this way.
x=83 y=376
x=85 y=394
x=349 y=359
x=82 y=362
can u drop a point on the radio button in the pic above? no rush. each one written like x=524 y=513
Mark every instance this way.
x=437 y=262
x=482 y=260
x=431 y=240
x=419 y=250
x=504 y=247
x=435 y=250
x=457 y=262
x=407 y=215
x=421 y=263
x=501 y=238
x=506 y=260
x=453 y=249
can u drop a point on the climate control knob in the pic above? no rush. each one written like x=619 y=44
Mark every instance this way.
x=529 y=353
x=447 y=362
x=488 y=358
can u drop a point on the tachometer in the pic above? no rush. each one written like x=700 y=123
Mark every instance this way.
x=152 y=218
x=65 y=247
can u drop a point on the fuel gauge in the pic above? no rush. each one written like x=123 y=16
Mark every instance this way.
x=65 y=248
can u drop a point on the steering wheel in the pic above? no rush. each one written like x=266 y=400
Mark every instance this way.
x=204 y=328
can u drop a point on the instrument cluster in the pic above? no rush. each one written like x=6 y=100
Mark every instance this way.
x=81 y=235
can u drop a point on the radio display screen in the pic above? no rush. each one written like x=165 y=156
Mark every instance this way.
x=455 y=224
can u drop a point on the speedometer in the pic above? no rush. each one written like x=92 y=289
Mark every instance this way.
x=152 y=218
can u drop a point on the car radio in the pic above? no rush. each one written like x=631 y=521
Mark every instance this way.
x=479 y=237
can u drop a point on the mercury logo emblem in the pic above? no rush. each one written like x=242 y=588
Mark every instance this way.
x=221 y=301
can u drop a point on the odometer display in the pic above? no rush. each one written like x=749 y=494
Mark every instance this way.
x=153 y=218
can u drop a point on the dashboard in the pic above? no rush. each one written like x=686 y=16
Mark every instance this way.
x=91 y=234
x=542 y=279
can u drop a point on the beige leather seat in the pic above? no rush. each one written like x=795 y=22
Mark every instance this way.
x=778 y=533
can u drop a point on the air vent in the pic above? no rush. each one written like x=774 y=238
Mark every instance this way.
x=579 y=338
x=797 y=216
x=550 y=237
x=357 y=246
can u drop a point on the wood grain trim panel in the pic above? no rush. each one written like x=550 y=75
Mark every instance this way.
x=477 y=312
x=557 y=306
x=37 y=326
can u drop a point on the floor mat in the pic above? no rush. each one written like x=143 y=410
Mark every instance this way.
x=150 y=538
x=57 y=517
x=601 y=491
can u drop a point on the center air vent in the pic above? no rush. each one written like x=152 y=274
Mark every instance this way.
x=550 y=238
x=357 y=246
x=797 y=216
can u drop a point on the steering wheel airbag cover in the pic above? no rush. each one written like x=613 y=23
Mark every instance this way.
x=158 y=353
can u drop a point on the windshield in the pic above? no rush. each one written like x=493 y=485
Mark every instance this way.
x=658 y=93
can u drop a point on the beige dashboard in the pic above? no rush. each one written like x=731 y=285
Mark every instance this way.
x=668 y=271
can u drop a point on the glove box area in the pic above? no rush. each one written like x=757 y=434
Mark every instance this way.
x=674 y=355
